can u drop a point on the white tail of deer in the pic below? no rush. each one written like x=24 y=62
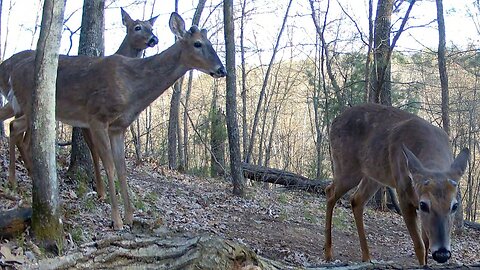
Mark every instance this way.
x=139 y=37
x=106 y=94
x=374 y=145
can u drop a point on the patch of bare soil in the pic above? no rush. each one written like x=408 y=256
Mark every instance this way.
x=283 y=225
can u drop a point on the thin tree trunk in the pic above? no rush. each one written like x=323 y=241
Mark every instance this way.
x=46 y=218
x=264 y=85
x=231 y=100
x=185 y=120
x=217 y=137
x=244 y=81
x=442 y=70
x=91 y=44
x=369 y=52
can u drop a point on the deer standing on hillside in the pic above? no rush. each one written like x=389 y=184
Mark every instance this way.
x=374 y=145
x=106 y=94
x=139 y=37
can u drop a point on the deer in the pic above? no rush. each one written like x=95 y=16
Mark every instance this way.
x=138 y=38
x=374 y=145
x=106 y=94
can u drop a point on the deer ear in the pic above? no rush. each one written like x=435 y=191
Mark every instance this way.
x=126 y=19
x=414 y=165
x=177 y=25
x=460 y=163
x=152 y=20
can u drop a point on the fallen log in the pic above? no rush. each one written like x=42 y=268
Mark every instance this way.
x=14 y=222
x=473 y=225
x=129 y=251
x=279 y=177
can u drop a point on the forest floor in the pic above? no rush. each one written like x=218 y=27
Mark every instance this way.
x=279 y=224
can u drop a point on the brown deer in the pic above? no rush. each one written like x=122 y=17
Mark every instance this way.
x=374 y=145
x=139 y=37
x=106 y=94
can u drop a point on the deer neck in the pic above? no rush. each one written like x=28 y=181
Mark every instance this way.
x=155 y=75
x=128 y=51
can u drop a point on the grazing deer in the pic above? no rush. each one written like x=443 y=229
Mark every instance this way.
x=106 y=94
x=374 y=145
x=139 y=37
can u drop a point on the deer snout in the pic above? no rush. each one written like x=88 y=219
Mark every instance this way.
x=442 y=255
x=220 y=72
x=152 y=41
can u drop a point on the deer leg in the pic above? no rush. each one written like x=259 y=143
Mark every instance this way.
x=18 y=127
x=99 y=185
x=363 y=194
x=101 y=142
x=409 y=213
x=11 y=165
x=335 y=191
x=117 y=141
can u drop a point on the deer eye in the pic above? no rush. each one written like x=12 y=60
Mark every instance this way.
x=138 y=28
x=197 y=44
x=454 y=207
x=424 y=207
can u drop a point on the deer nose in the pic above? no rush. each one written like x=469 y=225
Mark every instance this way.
x=152 y=41
x=442 y=255
x=221 y=72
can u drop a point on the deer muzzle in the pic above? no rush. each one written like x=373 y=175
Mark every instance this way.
x=220 y=72
x=152 y=41
x=442 y=255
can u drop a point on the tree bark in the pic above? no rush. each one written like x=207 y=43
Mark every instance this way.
x=91 y=43
x=46 y=219
x=380 y=80
x=231 y=100
x=218 y=137
x=244 y=81
x=442 y=70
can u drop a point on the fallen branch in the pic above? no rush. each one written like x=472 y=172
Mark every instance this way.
x=13 y=222
x=285 y=178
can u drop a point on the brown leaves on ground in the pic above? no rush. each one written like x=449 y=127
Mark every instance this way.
x=278 y=224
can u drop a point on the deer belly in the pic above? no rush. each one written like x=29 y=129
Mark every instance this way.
x=74 y=122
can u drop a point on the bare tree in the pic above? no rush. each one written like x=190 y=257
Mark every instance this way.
x=91 y=43
x=264 y=86
x=175 y=141
x=231 y=101
x=46 y=219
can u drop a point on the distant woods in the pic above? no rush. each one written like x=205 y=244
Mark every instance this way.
x=298 y=66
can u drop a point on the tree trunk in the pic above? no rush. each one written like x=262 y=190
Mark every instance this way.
x=231 y=100
x=442 y=70
x=91 y=44
x=218 y=137
x=46 y=218
x=380 y=80
x=244 y=82
x=173 y=125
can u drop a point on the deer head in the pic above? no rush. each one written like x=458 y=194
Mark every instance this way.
x=437 y=202
x=198 y=50
x=139 y=32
